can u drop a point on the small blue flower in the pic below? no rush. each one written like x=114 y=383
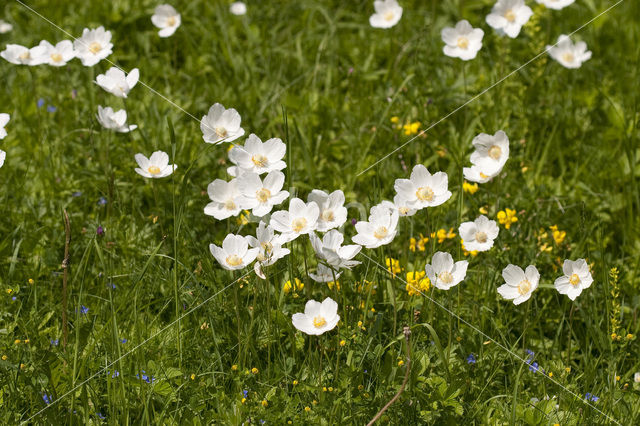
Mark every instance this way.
x=111 y=285
x=471 y=359
x=54 y=342
x=100 y=416
x=591 y=397
x=14 y=298
x=115 y=374
x=100 y=230
x=40 y=102
x=46 y=398
x=51 y=108
x=123 y=340
x=534 y=367
x=245 y=393
x=102 y=201
x=84 y=310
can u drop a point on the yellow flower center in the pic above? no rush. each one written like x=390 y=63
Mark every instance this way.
x=221 y=132
x=154 y=170
x=56 y=57
x=481 y=237
x=229 y=204
x=425 y=193
x=319 y=321
x=389 y=16
x=328 y=215
x=381 y=232
x=403 y=210
x=263 y=195
x=463 y=42
x=171 y=21
x=524 y=287
x=574 y=279
x=25 y=55
x=446 y=277
x=483 y=176
x=510 y=16
x=260 y=160
x=568 y=57
x=267 y=247
x=298 y=224
x=234 y=260
x=495 y=152
x=95 y=47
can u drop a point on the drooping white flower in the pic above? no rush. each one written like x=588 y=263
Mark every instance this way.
x=58 y=55
x=443 y=273
x=380 y=229
x=21 y=55
x=403 y=206
x=333 y=213
x=114 y=120
x=519 y=284
x=475 y=174
x=225 y=199
x=3 y=156
x=257 y=157
x=221 y=125
x=569 y=55
x=463 y=41
x=5 y=27
x=325 y=274
x=492 y=152
x=238 y=8
x=301 y=219
x=479 y=234
x=556 y=4
x=259 y=195
x=508 y=16
x=317 y=318
x=116 y=82
x=423 y=189
x=167 y=19
x=576 y=278
x=235 y=252
x=156 y=166
x=388 y=13
x=331 y=250
x=4 y=120
x=269 y=245
x=93 y=46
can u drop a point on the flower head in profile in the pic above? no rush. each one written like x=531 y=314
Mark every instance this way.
x=333 y=213
x=257 y=157
x=269 y=245
x=491 y=152
x=221 y=125
x=556 y=4
x=519 y=284
x=238 y=8
x=388 y=13
x=479 y=234
x=380 y=229
x=234 y=253
x=325 y=274
x=508 y=16
x=156 y=166
x=423 y=189
x=116 y=82
x=300 y=219
x=567 y=54
x=167 y=19
x=331 y=250
x=463 y=41
x=20 y=55
x=445 y=274
x=109 y=119
x=58 y=55
x=318 y=318
x=576 y=278
x=403 y=207
x=93 y=46
x=261 y=195
x=5 y=27
x=4 y=120
x=225 y=199
x=477 y=175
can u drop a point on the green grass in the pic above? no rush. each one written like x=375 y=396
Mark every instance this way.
x=336 y=82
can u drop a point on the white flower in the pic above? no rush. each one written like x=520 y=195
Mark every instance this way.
x=556 y=4
x=234 y=253
x=301 y=219
x=475 y=174
x=331 y=250
x=269 y=245
x=388 y=13
x=260 y=195
x=58 y=55
x=167 y=19
x=423 y=189
x=636 y=377
x=463 y=41
x=508 y=16
x=318 y=317
x=381 y=228
x=403 y=206
x=116 y=82
x=4 y=120
x=492 y=152
x=5 y=27
x=256 y=156
x=21 y=55
x=333 y=213
x=569 y=55
x=114 y=120
x=575 y=279
x=238 y=8
x=325 y=274
x=93 y=46
x=156 y=166
x=225 y=198
x=444 y=274
x=519 y=284
x=221 y=125
x=3 y=155
x=479 y=234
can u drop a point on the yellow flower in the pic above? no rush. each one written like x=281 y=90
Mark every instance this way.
x=617 y=378
x=243 y=400
x=393 y=265
x=330 y=389
x=4 y=357
x=299 y=285
x=483 y=210
x=295 y=382
x=395 y=119
x=567 y=369
x=234 y=367
x=451 y=235
x=324 y=389
x=471 y=188
x=442 y=235
x=614 y=336
x=31 y=281
x=411 y=128
x=558 y=236
x=545 y=248
x=193 y=376
x=360 y=387
x=417 y=282
x=255 y=370
x=17 y=341
x=473 y=253
x=314 y=402
x=243 y=219
x=412 y=244
x=307 y=408
x=629 y=336
x=550 y=374
x=265 y=403
x=330 y=284
x=400 y=363
x=507 y=217
x=9 y=291
x=22 y=366
x=26 y=340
